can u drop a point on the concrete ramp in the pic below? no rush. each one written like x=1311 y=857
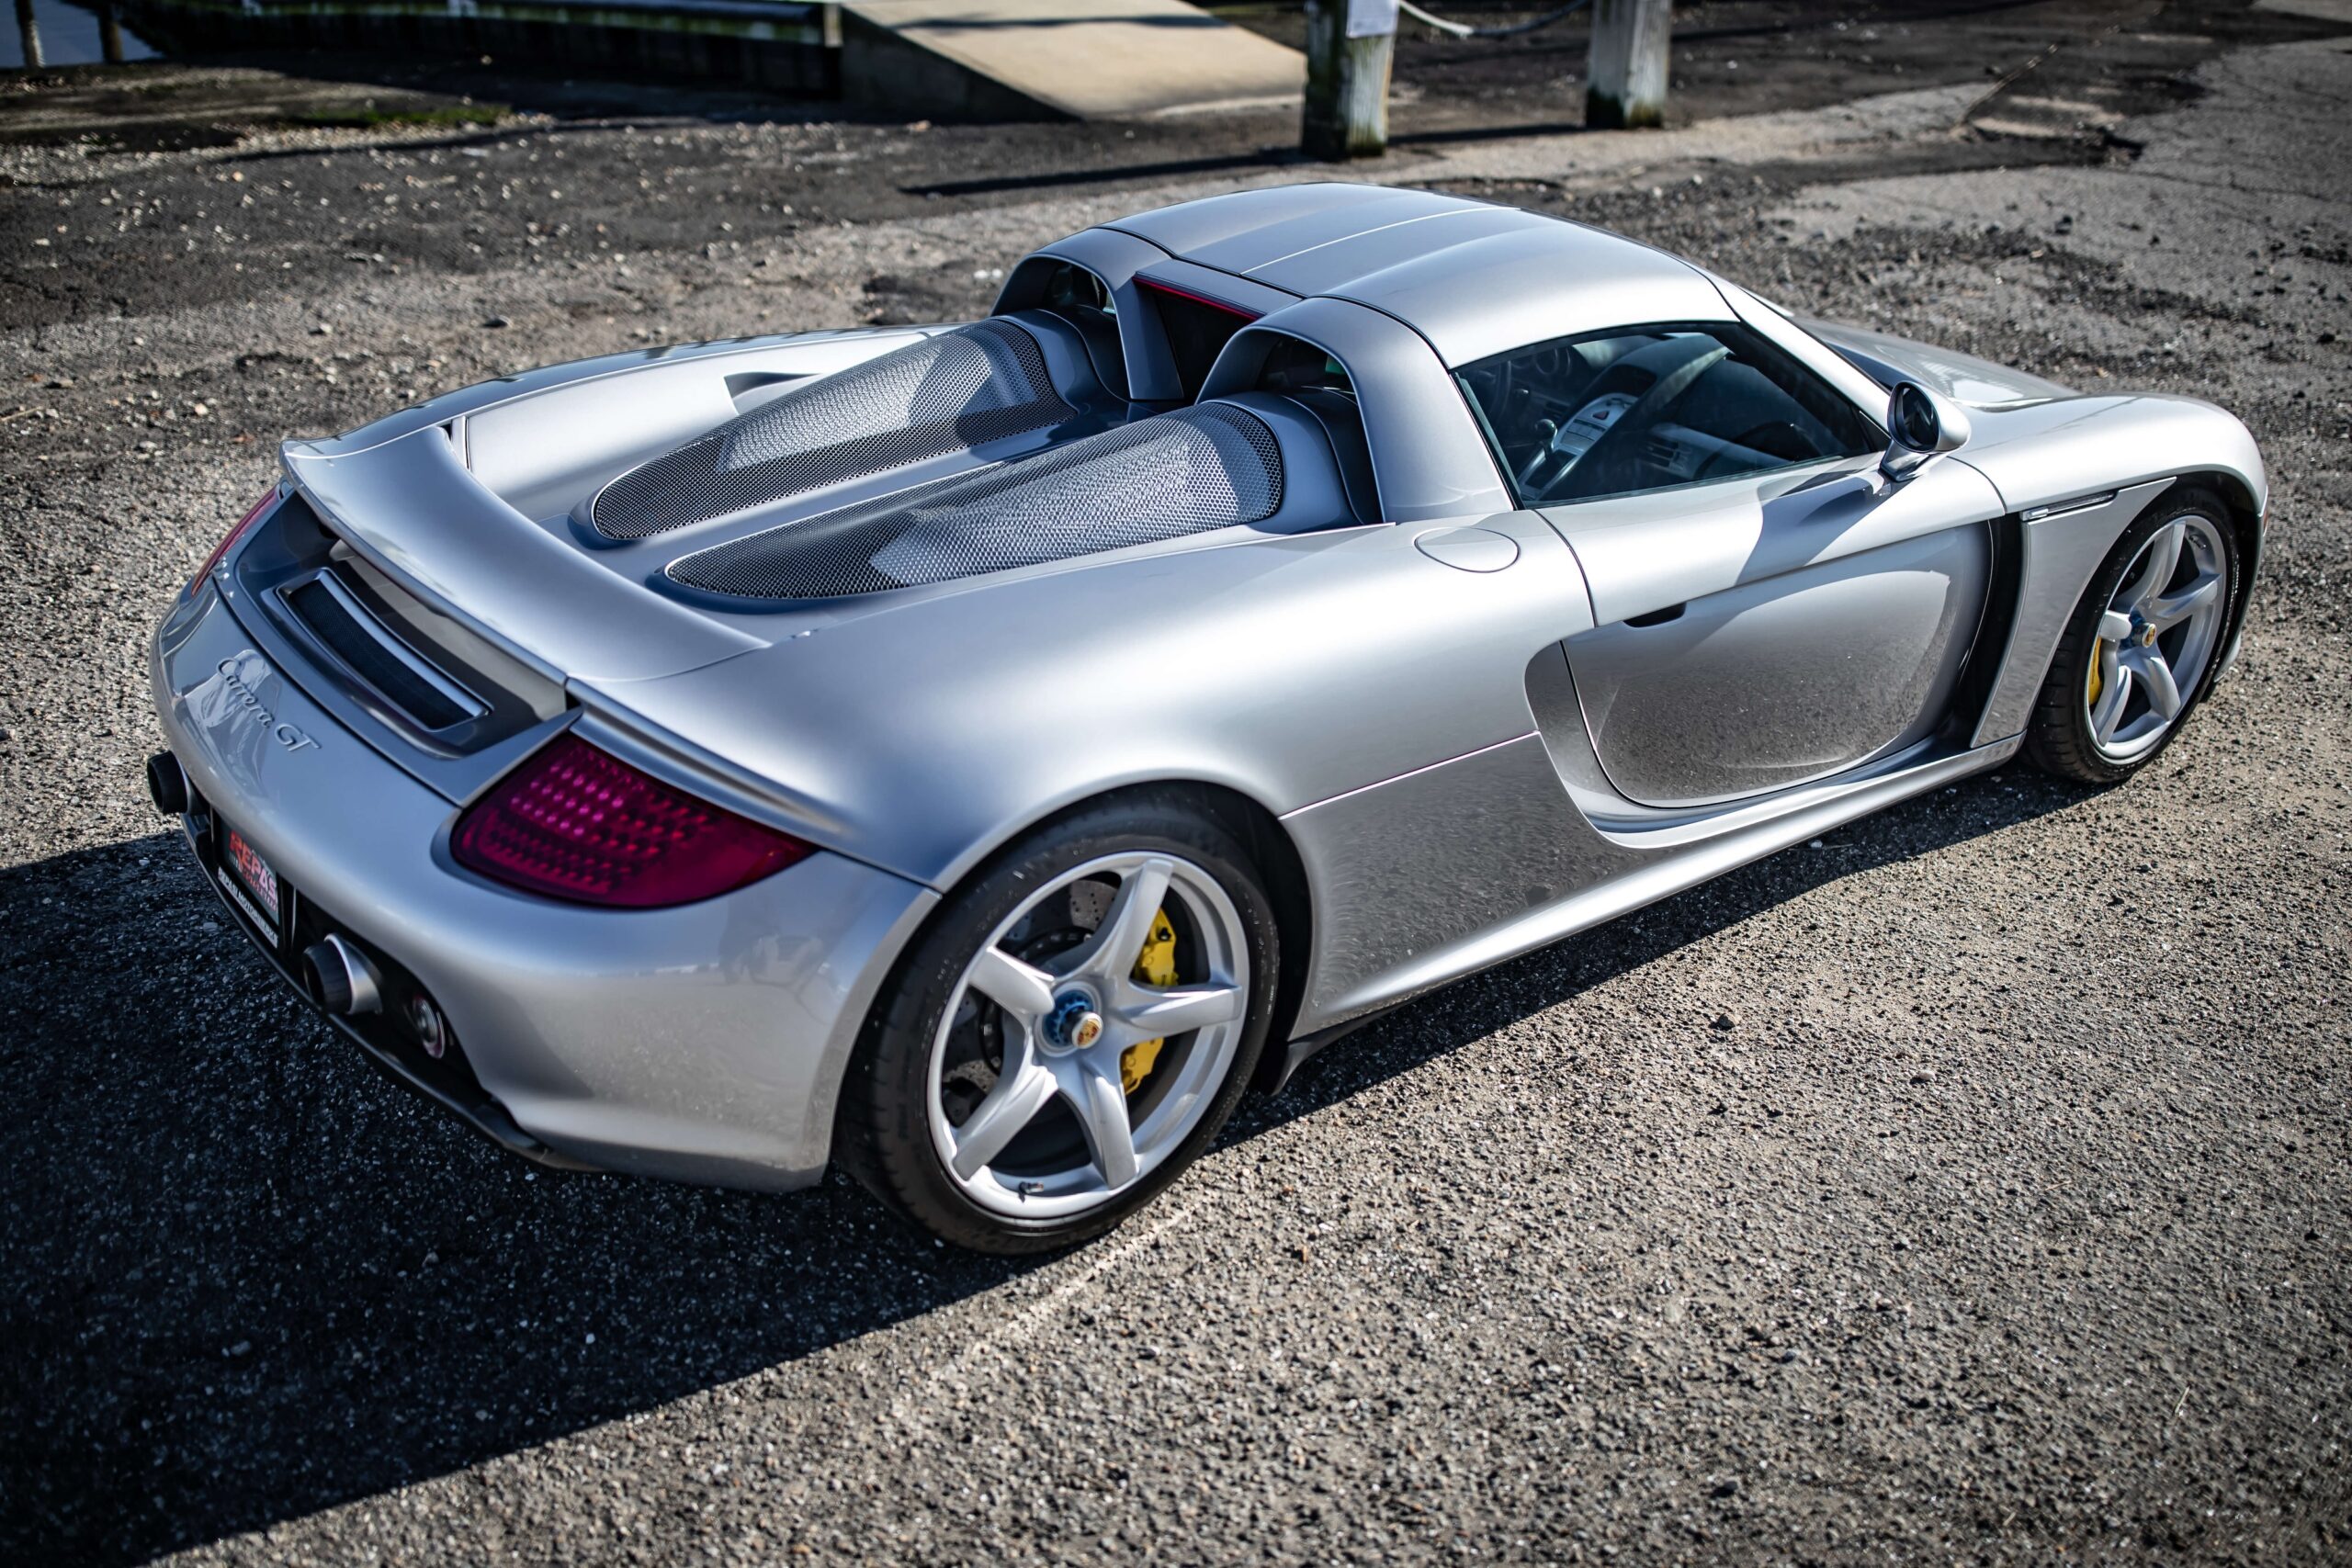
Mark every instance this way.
x=1083 y=59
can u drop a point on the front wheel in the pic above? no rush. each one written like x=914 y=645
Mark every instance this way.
x=1069 y=1031
x=2143 y=645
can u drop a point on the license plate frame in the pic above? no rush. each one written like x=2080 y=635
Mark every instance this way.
x=253 y=886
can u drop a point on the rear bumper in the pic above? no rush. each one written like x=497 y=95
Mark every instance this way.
x=705 y=1042
x=448 y=1083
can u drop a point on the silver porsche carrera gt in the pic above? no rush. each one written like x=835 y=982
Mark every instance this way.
x=980 y=753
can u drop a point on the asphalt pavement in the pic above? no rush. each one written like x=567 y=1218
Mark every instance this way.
x=1970 y=1185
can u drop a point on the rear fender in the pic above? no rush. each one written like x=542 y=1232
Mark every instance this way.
x=924 y=732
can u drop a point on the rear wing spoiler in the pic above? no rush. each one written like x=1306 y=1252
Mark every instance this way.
x=410 y=508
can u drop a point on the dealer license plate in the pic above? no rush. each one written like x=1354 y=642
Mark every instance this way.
x=253 y=886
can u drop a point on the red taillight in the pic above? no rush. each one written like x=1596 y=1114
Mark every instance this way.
x=244 y=523
x=580 y=824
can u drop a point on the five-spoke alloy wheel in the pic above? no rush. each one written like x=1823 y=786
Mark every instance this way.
x=2143 y=645
x=1070 y=1030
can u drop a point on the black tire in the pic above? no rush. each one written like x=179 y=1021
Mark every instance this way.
x=883 y=1132
x=2058 y=736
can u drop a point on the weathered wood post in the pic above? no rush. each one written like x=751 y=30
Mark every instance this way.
x=1350 y=47
x=1627 y=86
x=29 y=31
x=110 y=33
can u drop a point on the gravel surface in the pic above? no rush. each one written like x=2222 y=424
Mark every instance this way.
x=1970 y=1185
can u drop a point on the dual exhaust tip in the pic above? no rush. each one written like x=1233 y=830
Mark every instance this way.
x=166 y=785
x=347 y=983
x=343 y=978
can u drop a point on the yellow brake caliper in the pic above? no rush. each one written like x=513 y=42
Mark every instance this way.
x=1156 y=966
x=2097 y=648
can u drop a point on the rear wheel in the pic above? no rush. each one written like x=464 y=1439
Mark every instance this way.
x=1070 y=1031
x=2143 y=645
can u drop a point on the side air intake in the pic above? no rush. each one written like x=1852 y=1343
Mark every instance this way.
x=1179 y=473
x=943 y=394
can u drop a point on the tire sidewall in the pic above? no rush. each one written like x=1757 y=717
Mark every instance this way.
x=900 y=1160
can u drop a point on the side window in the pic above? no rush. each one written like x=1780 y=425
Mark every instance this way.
x=1656 y=407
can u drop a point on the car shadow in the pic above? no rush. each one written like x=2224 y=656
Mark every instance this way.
x=254 y=1280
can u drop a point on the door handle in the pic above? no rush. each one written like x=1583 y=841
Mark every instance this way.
x=1658 y=618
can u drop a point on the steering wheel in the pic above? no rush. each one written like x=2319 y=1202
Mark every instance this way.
x=1663 y=394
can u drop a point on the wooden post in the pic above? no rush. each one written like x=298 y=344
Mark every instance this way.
x=1627 y=86
x=30 y=32
x=1350 y=47
x=110 y=33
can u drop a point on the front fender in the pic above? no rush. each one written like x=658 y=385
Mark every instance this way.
x=2075 y=473
x=2048 y=453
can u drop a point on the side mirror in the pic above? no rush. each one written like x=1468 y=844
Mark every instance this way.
x=1922 y=426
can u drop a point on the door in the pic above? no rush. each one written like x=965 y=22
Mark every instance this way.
x=1768 y=608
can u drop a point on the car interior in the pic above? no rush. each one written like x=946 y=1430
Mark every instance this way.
x=1616 y=413
x=1569 y=420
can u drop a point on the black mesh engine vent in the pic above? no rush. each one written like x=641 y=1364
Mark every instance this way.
x=1178 y=473
x=946 y=393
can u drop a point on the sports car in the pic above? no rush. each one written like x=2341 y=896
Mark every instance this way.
x=979 y=754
